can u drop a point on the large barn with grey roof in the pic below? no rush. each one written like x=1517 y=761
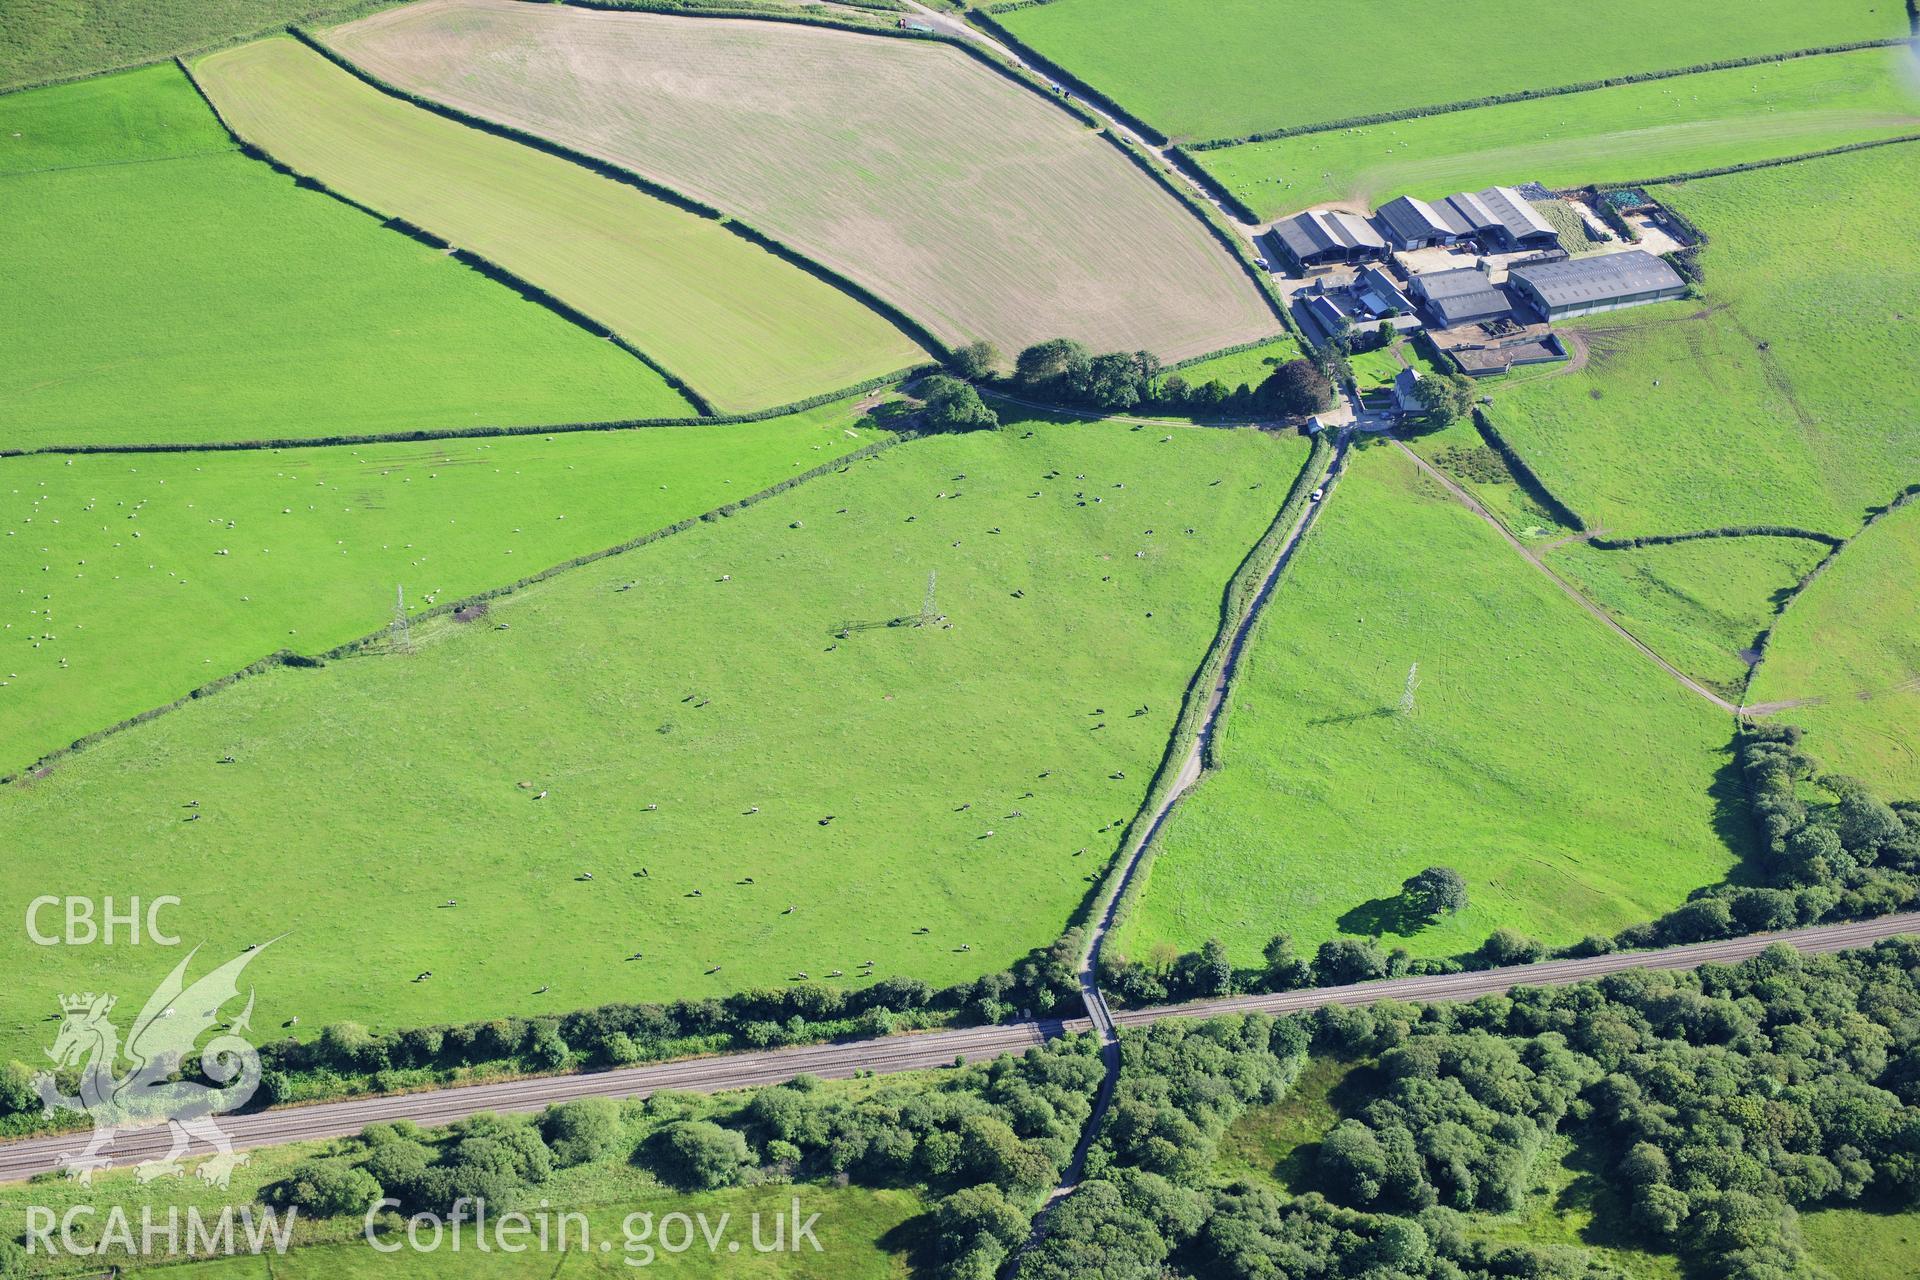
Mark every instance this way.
x=1499 y=217
x=1323 y=239
x=1606 y=282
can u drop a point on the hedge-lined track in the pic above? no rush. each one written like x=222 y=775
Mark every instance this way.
x=161 y=286
x=594 y=693
x=1217 y=69
x=854 y=150
x=744 y=328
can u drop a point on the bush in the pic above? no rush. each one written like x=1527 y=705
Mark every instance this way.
x=329 y=1188
x=953 y=405
x=582 y=1131
x=17 y=1094
x=702 y=1155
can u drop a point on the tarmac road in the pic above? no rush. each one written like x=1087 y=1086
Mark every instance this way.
x=26 y=1157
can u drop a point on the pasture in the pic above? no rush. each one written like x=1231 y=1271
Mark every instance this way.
x=996 y=216
x=307 y=318
x=1205 y=69
x=134 y=579
x=1575 y=786
x=1250 y=367
x=746 y=329
x=935 y=799
x=1698 y=604
x=1783 y=395
x=1621 y=134
x=1848 y=650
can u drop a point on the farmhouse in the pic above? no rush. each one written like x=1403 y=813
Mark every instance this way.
x=1407 y=394
x=1499 y=217
x=1607 y=282
x=1321 y=239
x=1461 y=296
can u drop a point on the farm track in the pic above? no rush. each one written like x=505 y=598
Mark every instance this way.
x=25 y=1158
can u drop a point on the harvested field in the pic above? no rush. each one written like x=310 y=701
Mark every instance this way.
x=743 y=327
x=971 y=204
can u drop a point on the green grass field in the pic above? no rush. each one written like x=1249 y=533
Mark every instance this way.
x=1848 y=643
x=1784 y=395
x=1698 y=604
x=713 y=687
x=45 y=39
x=1622 y=134
x=1202 y=69
x=1250 y=366
x=1862 y=1245
x=1575 y=786
x=748 y=330
x=996 y=216
x=156 y=573
x=162 y=293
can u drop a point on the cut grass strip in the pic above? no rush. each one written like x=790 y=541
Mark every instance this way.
x=740 y=325
x=204 y=297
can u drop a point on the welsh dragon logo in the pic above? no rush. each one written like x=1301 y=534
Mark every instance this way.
x=150 y=1090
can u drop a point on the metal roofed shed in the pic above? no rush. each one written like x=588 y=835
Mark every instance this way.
x=1605 y=282
x=1379 y=294
x=1318 y=239
x=1461 y=296
x=1414 y=224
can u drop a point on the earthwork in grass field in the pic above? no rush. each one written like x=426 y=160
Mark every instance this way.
x=1575 y=785
x=1732 y=409
x=1207 y=69
x=1846 y=658
x=969 y=203
x=822 y=797
x=745 y=328
x=1627 y=133
x=134 y=579
x=167 y=288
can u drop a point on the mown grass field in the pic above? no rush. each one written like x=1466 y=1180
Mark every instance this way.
x=1204 y=69
x=1621 y=134
x=170 y=289
x=1698 y=604
x=1850 y=645
x=701 y=674
x=1575 y=786
x=994 y=215
x=45 y=39
x=746 y=329
x=1861 y=1244
x=135 y=579
x=1783 y=395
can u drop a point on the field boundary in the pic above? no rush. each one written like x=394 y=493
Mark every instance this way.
x=287 y=658
x=1750 y=165
x=1523 y=473
x=1600 y=542
x=606 y=169
x=1238 y=597
x=1907 y=495
x=466 y=257
x=488 y=432
x=1557 y=91
x=984 y=18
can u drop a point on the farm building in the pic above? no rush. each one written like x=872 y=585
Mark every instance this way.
x=1414 y=224
x=1322 y=239
x=1461 y=296
x=1407 y=395
x=1607 y=282
x=1499 y=217
x=1379 y=294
